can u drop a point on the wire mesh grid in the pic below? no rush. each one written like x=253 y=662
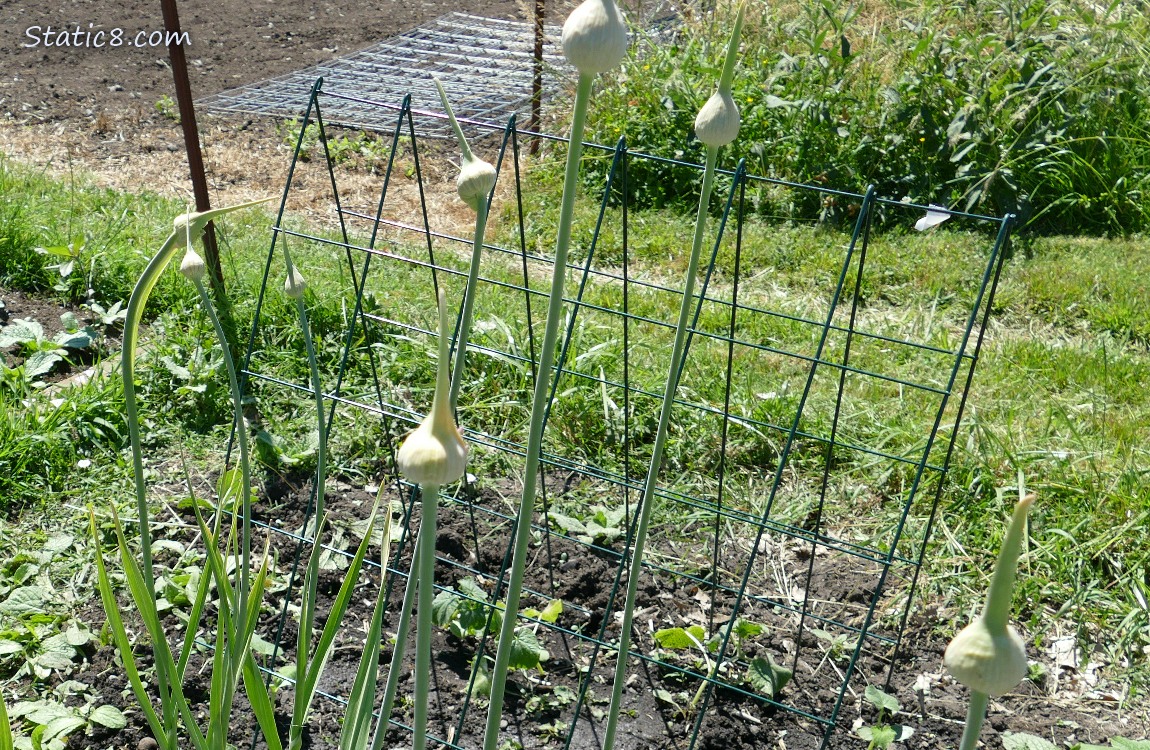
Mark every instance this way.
x=485 y=64
x=790 y=529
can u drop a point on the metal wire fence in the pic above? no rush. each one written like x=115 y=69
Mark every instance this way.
x=794 y=517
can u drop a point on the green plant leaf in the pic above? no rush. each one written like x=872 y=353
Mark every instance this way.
x=1024 y=741
x=767 y=677
x=41 y=362
x=108 y=716
x=880 y=736
x=20 y=331
x=882 y=701
x=1121 y=743
x=5 y=728
x=26 y=600
x=526 y=653
x=79 y=339
x=230 y=486
x=678 y=639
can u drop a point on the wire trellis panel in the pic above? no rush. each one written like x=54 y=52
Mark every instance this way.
x=756 y=556
x=485 y=65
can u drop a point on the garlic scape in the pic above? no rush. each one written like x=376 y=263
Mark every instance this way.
x=435 y=453
x=717 y=123
x=713 y=142
x=475 y=183
x=595 y=37
x=988 y=656
x=594 y=40
x=476 y=176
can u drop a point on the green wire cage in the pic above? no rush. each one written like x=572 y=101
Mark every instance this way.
x=789 y=530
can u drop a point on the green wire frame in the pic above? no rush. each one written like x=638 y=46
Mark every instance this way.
x=866 y=641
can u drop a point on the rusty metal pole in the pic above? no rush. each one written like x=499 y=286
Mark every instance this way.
x=537 y=79
x=192 y=139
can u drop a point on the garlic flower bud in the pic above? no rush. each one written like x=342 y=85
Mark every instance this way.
x=294 y=283
x=988 y=656
x=595 y=37
x=717 y=123
x=435 y=453
x=476 y=177
x=193 y=266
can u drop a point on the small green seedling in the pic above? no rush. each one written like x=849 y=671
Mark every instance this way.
x=882 y=733
x=41 y=354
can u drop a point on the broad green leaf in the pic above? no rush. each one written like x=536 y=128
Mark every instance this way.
x=881 y=700
x=1121 y=743
x=526 y=653
x=767 y=677
x=8 y=647
x=552 y=611
x=747 y=629
x=108 y=716
x=81 y=339
x=677 y=639
x=77 y=636
x=41 y=712
x=70 y=322
x=59 y=543
x=1024 y=741
x=61 y=727
x=444 y=607
x=880 y=736
x=41 y=362
x=24 y=601
x=20 y=331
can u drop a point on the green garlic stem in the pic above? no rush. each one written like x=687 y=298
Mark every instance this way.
x=400 y=650
x=728 y=75
x=467 y=155
x=241 y=600
x=996 y=614
x=975 y=713
x=538 y=410
x=468 y=304
x=311 y=576
x=426 y=560
x=671 y=386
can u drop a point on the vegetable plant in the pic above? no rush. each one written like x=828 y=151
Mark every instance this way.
x=988 y=656
x=594 y=40
x=716 y=125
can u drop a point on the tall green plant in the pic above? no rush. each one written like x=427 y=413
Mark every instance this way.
x=238 y=606
x=716 y=125
x=594 y=41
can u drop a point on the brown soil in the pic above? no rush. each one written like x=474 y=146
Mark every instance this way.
x=581 y=576
x=96 y=109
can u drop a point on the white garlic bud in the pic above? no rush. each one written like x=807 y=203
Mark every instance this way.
x=595 y=36
x=476 y=177
x=193 y=266
x=988 y=655
x=294 y=283
x=475 y=181
x=984 y=661
x=717 y=123
x=435 y=453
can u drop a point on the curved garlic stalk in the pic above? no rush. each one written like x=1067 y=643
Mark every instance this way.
x=988 y=656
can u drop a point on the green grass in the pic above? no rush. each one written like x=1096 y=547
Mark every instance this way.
x=1028 y=106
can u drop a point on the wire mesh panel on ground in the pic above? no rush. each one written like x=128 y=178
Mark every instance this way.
x=810 y=437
